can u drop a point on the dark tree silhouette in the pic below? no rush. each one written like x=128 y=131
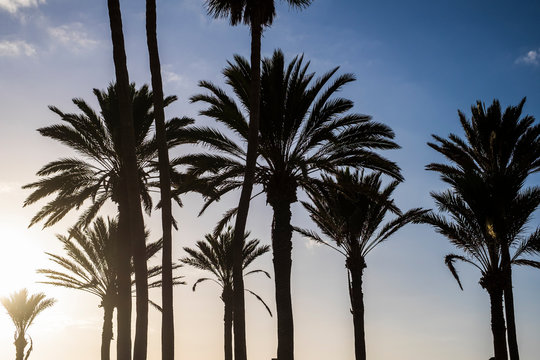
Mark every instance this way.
x=95 y=174
x=499 y=152
x=256 y=14
x=304 y=130
x=350 y=212
x=23 y=309
x=167 y=319
x=90 y=266
x=214 y=255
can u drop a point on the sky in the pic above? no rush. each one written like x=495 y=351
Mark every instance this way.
x=416 y=62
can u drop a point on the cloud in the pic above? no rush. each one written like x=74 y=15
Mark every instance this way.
x=531 y=58
x=16 y=48
x=8 y=187
x=72 y=35
x=171 y=76
x=12 y=6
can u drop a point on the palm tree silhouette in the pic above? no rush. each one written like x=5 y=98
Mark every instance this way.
x=489 y=169
x=95 y=174
x=350 y=212
x=468 y=232
x=256 y=14
x=304 y=130
x=23 y=309
x=90 y=266
x=214 y=255
x=167 y=320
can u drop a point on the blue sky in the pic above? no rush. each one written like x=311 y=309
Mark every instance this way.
x=416 y=63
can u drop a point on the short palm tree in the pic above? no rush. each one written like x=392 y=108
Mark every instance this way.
x=214 y=255
x=305 y=129
x=23 y=309
x=469 y=232
x=90 y=266
x=256 y=14
x=350 y=212
x=490 y=167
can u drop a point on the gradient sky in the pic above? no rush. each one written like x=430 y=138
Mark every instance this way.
x=416 y=62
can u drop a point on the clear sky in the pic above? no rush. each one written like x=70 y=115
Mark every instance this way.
x=416 y=61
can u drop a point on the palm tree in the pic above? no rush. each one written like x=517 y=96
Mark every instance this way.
x=214 y=255
x=257 y=15
x=167 y=320
x=96 y=174
x=304 y=130
x=90 y=266
x=501 y=151
x=467 y=230
x=350 y=212
x=23 y=310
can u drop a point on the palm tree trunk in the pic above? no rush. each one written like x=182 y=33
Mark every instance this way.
x=497 y=324
x=129 y=173
x=509 y=303
x=123 y=272
x=282 y=250
x=240 y=352
x=20 y=344
x=107 y=334
x=228 y=323
x=356 y=268
x=167 y=315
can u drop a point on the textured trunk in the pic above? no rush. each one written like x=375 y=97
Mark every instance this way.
x=228 y=323
x=134 y=224
x=497 y=324
x=282 y=249
x=107 y=334
x=239 y=322
x=20 y=344
x=356 y=268
x=509 y=303
x=167 y=316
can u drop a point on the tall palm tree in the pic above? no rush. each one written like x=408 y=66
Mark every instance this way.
x=90 y=266
x=167 y=319
x=304 y=130
x=350 y=212
x=257 y=15
x=96 y=173
x=467 y=230
x=501 y=150
x=214 y=255
x=23 y=309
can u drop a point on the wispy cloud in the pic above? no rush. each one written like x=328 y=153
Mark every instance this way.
x=16 y=48
x=531 y=58
x=170 y=76
x=73 y=36
x=7 y=187
x=13 y=6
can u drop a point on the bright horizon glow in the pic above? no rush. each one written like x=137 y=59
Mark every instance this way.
x=416 y=62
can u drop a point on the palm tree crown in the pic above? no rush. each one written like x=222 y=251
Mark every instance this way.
x=244 y=10
x=303 y=130
x=23 y=309
x=95 y=173
x=214 y=255
x=350 y=212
